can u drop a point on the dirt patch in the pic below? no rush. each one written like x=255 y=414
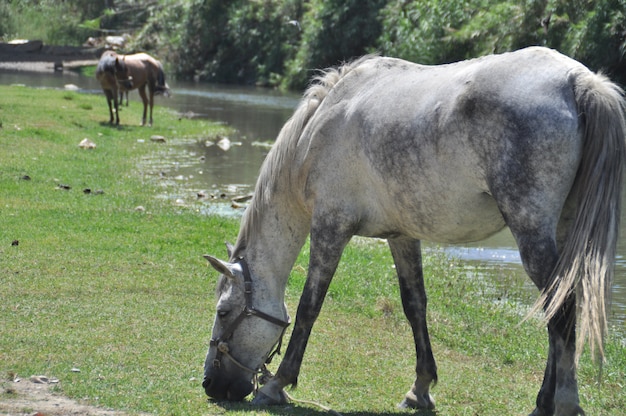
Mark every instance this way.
x=37 y=397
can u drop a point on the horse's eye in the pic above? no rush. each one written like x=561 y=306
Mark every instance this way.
x=222 y=313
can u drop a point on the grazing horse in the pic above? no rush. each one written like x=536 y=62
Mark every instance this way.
x=131 y=72
x=386 y=148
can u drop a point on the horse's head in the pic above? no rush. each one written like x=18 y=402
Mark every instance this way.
x=122 y=74
x=248 y=325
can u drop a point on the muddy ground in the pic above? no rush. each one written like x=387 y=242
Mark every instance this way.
x=39 y=396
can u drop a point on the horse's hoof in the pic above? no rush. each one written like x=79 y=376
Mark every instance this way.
x=411 y=401
x=262 y=399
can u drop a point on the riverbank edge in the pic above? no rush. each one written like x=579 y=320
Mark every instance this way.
x=35 y=56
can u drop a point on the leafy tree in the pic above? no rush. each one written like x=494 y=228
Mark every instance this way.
x=54 y=22
x=7 y=25
x=202 y=38
x=162 y=32
x=592 y=32
x=264 y=34
x=239 y=41
x=282 y=42
x=434 y=32
x=333 y=31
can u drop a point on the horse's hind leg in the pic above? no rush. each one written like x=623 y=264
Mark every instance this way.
x=144 y=98
x=559 y=391
x=151 y=97
x=408 y=260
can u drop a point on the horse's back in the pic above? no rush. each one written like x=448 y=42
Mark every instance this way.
x=437 y=151
x=142 y=61
x=146 y=69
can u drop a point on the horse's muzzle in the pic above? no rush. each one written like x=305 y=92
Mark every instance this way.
x=224 y=389
x=126 y=84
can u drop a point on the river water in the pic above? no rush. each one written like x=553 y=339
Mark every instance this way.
x=257 y=114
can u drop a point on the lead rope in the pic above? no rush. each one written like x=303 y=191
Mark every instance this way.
x=262 y=376
x=321 y=406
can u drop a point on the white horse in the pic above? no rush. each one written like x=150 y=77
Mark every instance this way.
x=531 y=140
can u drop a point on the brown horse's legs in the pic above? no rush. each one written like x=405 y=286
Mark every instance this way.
x=112 y=97
x=408 y=260
x=144 y=98
x=151 y=92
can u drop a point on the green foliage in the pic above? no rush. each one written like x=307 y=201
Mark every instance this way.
x=433 y=32
x=283 y=42
x=202 y=37
x=162 y=30
x=241 y=41
x=7 y=25
x=333 y=31
x=422 y=31
x=262 y=36
x=54 y=22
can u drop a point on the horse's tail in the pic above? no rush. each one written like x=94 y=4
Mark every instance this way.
x=161 y=86
x=586 y=263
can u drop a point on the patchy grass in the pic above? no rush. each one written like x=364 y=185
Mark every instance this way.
x=124 y=296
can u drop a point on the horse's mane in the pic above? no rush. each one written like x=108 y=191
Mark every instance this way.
x=275 y=170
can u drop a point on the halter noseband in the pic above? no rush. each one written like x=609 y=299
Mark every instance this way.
x=248 y=310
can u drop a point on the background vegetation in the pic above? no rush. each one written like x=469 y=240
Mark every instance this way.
x=281 y=42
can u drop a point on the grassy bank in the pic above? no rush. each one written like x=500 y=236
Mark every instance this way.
x=118 y=303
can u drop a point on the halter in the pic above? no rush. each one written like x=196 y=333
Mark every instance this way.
x=127 y=82
x=248 y=310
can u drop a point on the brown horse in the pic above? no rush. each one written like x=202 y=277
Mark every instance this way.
x=122 y=73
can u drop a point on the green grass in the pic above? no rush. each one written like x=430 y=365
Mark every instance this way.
x=126 y=297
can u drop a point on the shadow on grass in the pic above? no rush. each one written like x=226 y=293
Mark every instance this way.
x=121 y=126
x=298 y=409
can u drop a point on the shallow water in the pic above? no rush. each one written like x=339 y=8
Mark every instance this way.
x=258 y=114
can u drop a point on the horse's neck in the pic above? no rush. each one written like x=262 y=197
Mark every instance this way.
x=274 y=238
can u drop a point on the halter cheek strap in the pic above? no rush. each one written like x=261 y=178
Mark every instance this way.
x=248 y=310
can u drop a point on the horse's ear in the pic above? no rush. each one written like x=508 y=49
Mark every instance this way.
x=223 y=267
x=229 y=248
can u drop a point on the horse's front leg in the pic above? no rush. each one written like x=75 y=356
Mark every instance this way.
x=408 y=260
x=327 y=244
x=117 y=108
x=111 y=101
